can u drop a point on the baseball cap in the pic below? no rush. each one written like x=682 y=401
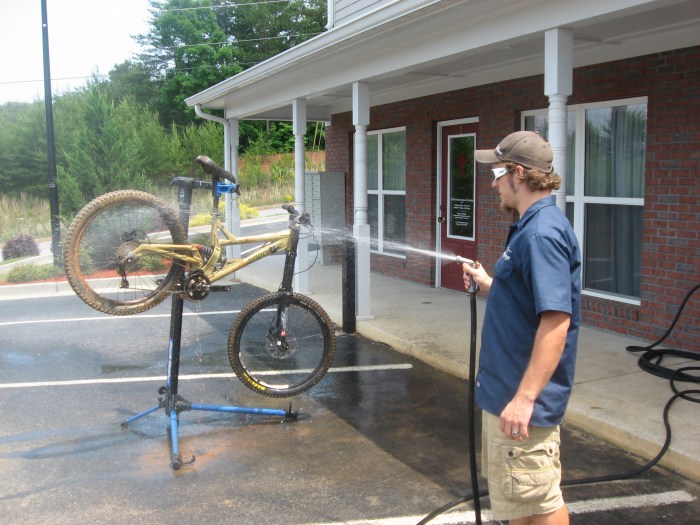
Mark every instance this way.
x=526 y=148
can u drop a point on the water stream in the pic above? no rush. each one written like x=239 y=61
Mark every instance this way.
x=394 y=246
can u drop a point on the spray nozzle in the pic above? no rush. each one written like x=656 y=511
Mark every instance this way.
x=473 y=287
x=461 y=260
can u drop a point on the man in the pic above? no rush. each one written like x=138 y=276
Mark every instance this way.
x=528 y=350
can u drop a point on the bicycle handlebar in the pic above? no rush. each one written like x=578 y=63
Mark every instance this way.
x=290 y=209
x=294 y=214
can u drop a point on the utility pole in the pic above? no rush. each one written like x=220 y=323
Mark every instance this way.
x=50 y=142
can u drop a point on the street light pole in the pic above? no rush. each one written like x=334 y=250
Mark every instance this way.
x=50 y=142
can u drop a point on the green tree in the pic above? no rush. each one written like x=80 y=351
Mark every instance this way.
x=110 y=145
x=133 y=79
x=186 y=51
x=23 y=164
x=193 y=45
x=264 y=29
x=202 y=139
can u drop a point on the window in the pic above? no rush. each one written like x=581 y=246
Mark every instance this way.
x=605 y=191
x=386 y=189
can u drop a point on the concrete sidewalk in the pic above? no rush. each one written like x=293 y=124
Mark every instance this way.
x=613 y=398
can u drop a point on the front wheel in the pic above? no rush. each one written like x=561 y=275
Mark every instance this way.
x=281 y=344
x=102 y=266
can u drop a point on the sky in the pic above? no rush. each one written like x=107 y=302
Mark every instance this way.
x=85 y=36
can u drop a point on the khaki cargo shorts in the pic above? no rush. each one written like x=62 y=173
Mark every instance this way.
x=523 y=476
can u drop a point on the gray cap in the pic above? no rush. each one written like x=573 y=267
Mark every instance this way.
x=526 y=148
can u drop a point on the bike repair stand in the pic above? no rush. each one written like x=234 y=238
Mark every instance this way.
x=170 y=400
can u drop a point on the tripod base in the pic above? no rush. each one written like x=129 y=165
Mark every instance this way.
x=174 y=404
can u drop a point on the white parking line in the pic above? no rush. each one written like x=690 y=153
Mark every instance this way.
x=577 y=507
x=116 y=318
x=74 y=382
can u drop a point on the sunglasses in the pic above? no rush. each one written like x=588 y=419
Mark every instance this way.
x=499 y=172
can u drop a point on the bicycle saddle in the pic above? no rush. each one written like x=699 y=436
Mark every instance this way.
x=213 y=169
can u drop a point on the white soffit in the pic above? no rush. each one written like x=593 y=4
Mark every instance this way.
x=421 y=48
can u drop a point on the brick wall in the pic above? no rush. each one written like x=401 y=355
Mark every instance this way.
x=671 y=238
x=671 y=231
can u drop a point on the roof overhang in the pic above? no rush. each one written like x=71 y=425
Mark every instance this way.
x=413 y=48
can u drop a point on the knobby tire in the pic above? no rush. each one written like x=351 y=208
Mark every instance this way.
x=103 y=233
x=281 y=370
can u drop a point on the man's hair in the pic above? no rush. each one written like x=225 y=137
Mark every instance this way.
x=536 y=179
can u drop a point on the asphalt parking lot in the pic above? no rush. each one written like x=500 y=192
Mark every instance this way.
x=383 y=441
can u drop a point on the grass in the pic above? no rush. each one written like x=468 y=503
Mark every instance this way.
x=26 y=273
x=265 y=181
x=24 y=214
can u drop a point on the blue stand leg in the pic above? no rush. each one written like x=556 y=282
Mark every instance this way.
x=139 y=416
x=245 y=410
x=175 y=458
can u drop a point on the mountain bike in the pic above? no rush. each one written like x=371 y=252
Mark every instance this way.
x=126 y=251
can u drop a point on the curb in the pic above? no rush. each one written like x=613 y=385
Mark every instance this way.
x=35 y=290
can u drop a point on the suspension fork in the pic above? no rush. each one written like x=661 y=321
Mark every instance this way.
x=281 y=327
x=290 y=259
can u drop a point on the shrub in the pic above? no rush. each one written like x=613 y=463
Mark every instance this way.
x=21 y=246
x=248 y=212
x=204 y=219
x=26 y=273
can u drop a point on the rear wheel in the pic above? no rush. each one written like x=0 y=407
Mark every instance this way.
x=99 y=259
x=281 y=344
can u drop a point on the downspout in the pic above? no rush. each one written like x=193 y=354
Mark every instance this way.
x=233 y=211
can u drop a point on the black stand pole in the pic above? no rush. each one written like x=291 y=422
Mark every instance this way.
x=349 y=288
x=170 y=400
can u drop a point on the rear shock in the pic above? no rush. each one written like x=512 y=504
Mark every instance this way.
x=207 y=253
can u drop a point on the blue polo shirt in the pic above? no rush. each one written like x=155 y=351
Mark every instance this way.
x=540 y=270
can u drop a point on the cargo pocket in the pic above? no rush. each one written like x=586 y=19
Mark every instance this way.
x=529 y=470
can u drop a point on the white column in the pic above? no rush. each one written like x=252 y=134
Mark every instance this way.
x=301 y=277
x=558 y=82
x=360 y=118
x=233 y=210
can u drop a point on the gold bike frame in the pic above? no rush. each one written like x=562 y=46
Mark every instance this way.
x=190 y=256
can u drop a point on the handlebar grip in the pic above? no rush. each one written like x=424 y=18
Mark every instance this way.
x=290 y=209
x=213 y=169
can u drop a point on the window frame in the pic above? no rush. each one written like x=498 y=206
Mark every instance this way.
x=380 y=192
x=578 y=198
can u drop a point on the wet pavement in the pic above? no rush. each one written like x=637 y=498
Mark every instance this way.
x=384 y=441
